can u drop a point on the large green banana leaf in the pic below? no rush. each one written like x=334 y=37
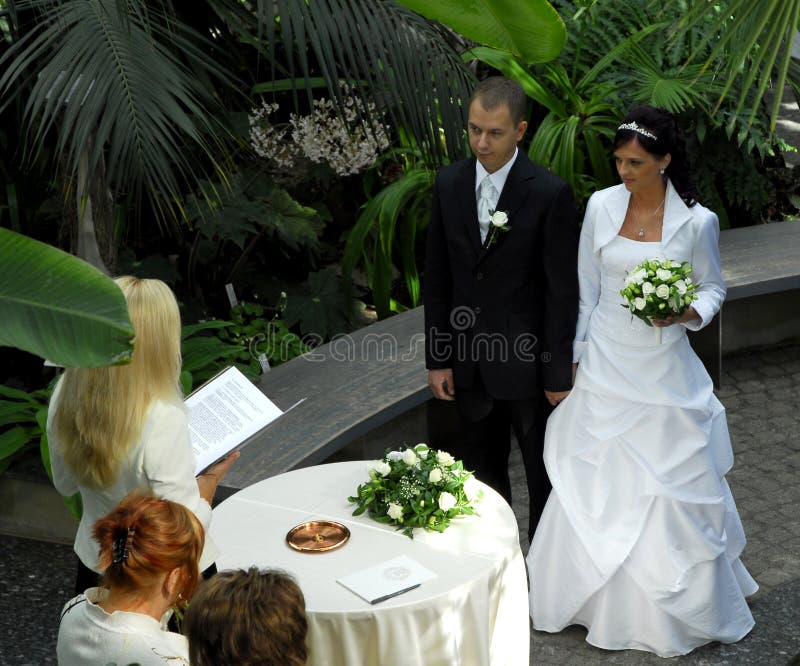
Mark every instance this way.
x=59 y=307
x=530 y=29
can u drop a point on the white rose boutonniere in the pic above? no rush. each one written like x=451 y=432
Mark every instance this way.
x=498 y=223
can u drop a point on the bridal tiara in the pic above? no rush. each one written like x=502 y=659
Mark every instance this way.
x=635 y=128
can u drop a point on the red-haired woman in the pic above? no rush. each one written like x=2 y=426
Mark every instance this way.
x=149 y=551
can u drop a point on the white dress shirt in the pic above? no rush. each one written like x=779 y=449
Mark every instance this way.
x=498 y=179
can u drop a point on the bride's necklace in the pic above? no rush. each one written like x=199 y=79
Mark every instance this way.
x=639 y=219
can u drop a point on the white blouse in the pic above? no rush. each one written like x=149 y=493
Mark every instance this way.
x=89 y=635
x=161 y=460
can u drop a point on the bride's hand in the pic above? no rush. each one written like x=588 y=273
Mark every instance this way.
x=687 y=316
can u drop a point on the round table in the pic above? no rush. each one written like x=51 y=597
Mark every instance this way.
x=474 y=612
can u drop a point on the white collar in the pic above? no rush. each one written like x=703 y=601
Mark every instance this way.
x=125 y=620
x=499 y=177
x=615 y=205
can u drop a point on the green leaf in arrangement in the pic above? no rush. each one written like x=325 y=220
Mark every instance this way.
x=59 y=307
x=530 y=29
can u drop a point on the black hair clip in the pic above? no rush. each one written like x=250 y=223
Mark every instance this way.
x=122 y=546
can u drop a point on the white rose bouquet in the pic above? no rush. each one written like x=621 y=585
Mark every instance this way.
x=417 y=487
x=657 y=289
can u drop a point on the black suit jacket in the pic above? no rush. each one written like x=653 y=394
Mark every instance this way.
x=507 y=311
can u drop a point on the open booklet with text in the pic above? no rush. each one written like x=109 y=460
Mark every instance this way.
x=224 y=413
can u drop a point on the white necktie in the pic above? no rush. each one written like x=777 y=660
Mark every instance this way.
x=487 y=200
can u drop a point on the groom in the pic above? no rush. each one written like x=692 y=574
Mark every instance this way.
x=501 y=302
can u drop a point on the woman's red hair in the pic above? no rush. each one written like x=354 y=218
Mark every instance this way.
x=164 y=535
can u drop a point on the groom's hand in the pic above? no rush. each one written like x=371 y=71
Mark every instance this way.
x=441 y=383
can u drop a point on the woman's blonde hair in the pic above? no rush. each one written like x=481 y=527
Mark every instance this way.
x=101 y=411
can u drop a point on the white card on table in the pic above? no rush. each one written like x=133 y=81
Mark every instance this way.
x=387 y=579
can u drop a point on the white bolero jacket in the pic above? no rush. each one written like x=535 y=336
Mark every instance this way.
x=688 y=234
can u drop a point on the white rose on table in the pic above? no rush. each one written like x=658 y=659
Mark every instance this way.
x=394 y=455
x=444 y=458
x=680 y=285
x=378 y=467
x=499 y=218
x=446 y=501
x=662 y=291
x=639 y=303
x=435 y=476
x=395 y=511
x=663 y=274
x=648 y=288
x=410 y=458
x=472 y=488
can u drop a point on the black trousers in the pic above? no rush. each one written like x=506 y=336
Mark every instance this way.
x=478 y=432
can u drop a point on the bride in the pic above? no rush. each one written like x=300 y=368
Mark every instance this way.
x=640 y=539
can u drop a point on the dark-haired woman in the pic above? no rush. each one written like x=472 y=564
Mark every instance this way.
x=640 y=540
x=247 y=618
x=149 y=553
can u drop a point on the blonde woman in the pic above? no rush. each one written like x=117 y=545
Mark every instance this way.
x=115 y=429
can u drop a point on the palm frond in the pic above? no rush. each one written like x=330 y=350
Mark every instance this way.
x=753 y=40
x=117 y=81
x=405 y=64
x=674 y=89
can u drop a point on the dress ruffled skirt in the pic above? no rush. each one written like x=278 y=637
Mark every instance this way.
x=640 y=539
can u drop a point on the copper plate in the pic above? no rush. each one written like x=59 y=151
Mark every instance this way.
x=317 y=536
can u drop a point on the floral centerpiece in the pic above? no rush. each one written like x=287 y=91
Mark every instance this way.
x=658 y=289
x=417 y=487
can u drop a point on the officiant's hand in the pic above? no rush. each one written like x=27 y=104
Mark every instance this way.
x=441 y=383
x=208 y=481
x=687 y=316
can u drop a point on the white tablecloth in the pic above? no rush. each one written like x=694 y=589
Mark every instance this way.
x=474 y=612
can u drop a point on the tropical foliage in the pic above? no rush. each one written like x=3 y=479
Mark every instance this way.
x=132 y=119
x=59 y=307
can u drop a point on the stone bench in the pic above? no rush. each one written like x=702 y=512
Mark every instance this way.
x=761 y=267
x=351 y=386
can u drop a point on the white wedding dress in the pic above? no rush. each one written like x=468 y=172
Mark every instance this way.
x=640 y=539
